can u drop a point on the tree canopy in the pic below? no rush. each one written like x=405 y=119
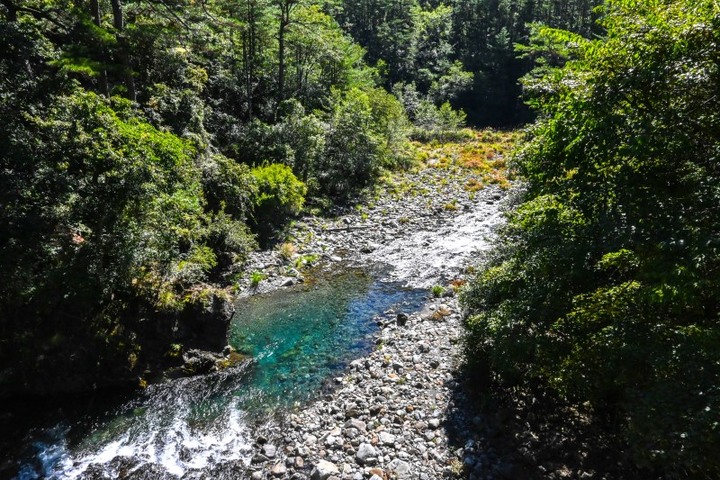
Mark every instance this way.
x=604 y=288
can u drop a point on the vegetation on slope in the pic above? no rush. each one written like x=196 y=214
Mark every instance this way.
x=604 y=289
x=145 y=146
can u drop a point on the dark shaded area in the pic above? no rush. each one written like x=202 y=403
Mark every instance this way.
x=530 y=434
x=29 y=423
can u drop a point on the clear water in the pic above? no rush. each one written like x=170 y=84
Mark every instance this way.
x=298 y=338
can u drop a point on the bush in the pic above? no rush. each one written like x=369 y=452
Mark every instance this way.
x=106 y=223
x=279 y=195
x=367 y=131
x=352 y=154
x=438 y=123
x=604 y=289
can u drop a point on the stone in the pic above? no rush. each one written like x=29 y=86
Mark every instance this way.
x=288 y=282
x=368 y=248
x=199 y=362
x=365 y=453
x=402 y=319
x=324 y=470
x=357 y=424
x=269 y=450
x=258 y=458
x=400 y=468
x=386 y=438
x=278 y=470
x=257 y=475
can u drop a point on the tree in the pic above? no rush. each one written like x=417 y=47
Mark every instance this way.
x=605 y=289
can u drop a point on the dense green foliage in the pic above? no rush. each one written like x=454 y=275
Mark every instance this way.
x=605 y=288
x=461 y=51
x=279 y=195
x=144 y=145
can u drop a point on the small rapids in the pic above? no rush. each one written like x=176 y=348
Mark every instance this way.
x=430 y=257
x=297 y=340
x=183 y=425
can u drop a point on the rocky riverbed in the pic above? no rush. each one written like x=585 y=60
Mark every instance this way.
x=426 y=226
x=401 y=411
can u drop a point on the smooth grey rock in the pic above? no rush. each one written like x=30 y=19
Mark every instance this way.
x=357 y=424
x=387 y=438
x=364 y=453
x=400 y=468
x=269 y=450
x=324 y=470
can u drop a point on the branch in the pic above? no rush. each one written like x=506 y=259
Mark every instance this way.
x=38 y=14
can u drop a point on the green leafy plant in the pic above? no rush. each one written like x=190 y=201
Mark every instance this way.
x=602 y=292
x=256 y=277
x=437 y=291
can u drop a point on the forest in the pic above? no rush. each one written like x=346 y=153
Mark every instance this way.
x=148 y=146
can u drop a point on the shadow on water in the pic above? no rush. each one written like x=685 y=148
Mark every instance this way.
x=297 y=338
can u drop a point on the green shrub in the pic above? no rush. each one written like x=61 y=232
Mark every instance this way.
x=352 y=149
x=108 y=223
x=439 y=123
x=604 y=287
x=279 y=195
x=255 y=278
x=367 y=131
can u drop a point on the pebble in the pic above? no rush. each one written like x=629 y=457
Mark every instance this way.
x=385 y=416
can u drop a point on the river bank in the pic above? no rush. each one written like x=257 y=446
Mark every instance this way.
x=402 y=411
x=398 y=411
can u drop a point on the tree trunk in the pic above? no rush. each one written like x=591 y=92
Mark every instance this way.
x=103 y=81
x=122 y=50
x=286 y=7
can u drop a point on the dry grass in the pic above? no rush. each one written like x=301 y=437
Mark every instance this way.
x=287 y=251
x=485 y=152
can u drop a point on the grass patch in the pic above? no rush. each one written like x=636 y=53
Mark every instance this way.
x=483 y=151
